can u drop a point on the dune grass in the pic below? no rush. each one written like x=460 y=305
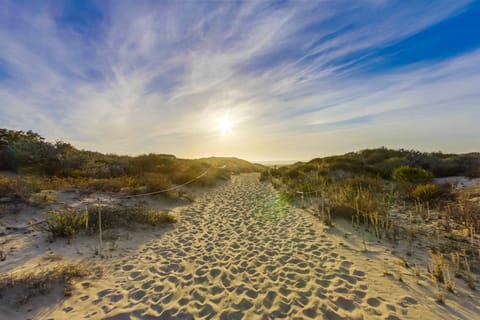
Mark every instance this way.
x=68 y=222
x=40 y=281
x=401 y=205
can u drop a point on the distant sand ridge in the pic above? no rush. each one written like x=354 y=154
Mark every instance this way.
x=240 y=252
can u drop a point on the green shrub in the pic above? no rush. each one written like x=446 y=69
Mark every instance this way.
x=66 y=222
x=386 y=167
x=432 y=192
x=412 y=175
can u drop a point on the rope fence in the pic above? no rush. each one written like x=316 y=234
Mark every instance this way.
x=129 y=197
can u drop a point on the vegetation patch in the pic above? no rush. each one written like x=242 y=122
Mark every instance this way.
x=59 y=166
x=18 y=288
x=43 y=198
x=391 y=194
x=127 y=216
x=431 y=193
x=11 y=187
x=412 y=175
x=67 y=222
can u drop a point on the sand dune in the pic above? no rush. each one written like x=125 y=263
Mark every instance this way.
x=240 y=252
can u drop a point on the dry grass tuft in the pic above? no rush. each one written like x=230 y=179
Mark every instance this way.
x=67 y=222
x=469 y=277
x=11 y=187
x=125 y=216
x=440 y=297
x=437 y=267
x=41 y=281
x=41 y=199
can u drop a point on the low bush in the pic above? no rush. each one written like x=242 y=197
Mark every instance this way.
x=386 y=167
x=412 y=175
x=66 y=222
x=432 y=193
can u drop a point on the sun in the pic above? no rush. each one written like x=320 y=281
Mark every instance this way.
x=224 y=126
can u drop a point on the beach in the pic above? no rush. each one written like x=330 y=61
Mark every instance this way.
x=242 y=252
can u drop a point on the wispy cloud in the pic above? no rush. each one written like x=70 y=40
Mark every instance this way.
x=298 y=79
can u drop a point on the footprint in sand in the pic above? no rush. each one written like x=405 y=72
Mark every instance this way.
x=228 y=260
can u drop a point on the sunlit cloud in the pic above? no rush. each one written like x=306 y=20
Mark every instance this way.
x=290 y=81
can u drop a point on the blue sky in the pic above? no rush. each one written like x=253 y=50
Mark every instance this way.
x=296 y=79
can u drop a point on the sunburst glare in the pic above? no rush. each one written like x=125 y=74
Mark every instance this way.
x=224 y=126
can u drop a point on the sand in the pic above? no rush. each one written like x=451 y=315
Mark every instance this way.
x=242 y=252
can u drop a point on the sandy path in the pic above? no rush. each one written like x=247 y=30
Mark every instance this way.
x=239 y=253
